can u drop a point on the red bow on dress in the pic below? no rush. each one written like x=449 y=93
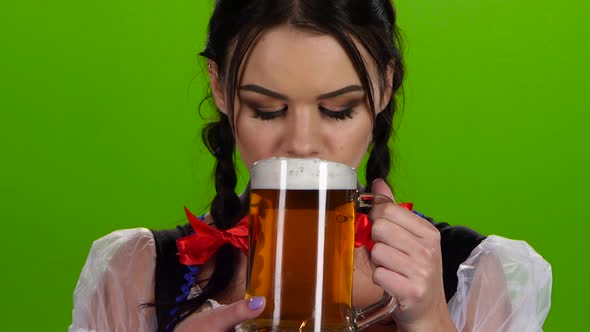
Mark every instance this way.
x=196 y=249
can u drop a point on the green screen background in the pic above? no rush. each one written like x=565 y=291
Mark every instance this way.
x=100 y=131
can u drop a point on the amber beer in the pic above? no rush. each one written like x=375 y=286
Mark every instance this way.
x=301 y=244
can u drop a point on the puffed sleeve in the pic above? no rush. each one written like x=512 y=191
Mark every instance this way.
x=504 y=285
x=116 y=280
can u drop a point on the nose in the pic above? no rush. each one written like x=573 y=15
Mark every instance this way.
x=302 y=136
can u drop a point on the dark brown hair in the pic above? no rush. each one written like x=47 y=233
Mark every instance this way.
x=233 y=29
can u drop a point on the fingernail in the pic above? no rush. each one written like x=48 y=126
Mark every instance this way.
x=256 y=303
x=377 y=179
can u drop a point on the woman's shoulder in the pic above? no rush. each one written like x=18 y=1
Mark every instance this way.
x=116 y=252
x=116 y=278
x=123 y=245
x=455 y=232
x=457 y=243
x=456 y=240
x=122 y=239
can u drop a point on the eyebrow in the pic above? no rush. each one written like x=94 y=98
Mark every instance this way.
x=274 y=94
x=347 y=89
x=263 y=91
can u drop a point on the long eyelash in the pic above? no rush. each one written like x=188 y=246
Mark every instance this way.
x=262 y=115
x=338 y=115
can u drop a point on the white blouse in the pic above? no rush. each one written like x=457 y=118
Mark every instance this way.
x=504 y=285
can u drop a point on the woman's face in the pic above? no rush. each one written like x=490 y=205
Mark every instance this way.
x=300 y=96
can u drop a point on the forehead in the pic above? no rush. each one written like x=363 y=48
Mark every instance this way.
x=299 y=63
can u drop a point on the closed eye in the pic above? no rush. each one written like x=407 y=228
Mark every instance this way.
x=269 y=115
x=338 y=115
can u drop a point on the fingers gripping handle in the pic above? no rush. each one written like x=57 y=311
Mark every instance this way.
x=387 y=305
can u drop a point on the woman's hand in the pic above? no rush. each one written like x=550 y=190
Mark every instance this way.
x=408 y=263
x=224 y=318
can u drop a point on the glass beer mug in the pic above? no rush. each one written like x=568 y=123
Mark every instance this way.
x=302 y=214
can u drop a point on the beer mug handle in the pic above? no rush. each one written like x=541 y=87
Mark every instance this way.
x=387 y=305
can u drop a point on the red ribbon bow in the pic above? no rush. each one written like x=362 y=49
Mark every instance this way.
x=196 y=249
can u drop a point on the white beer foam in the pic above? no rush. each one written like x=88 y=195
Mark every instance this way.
x=302 y=174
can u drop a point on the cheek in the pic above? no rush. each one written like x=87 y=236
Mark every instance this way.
x=351 y=140
x=255 y=140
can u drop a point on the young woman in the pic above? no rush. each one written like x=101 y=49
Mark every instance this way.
x=310 y=79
